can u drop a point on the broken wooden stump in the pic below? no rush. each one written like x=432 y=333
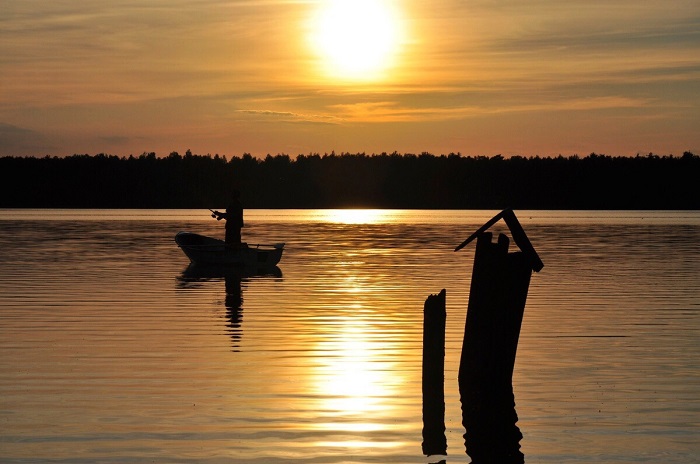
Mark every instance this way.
x=434 y=317
x=497 y=296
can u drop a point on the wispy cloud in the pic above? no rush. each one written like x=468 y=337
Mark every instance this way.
x=396 y=112
x=286 y=116
x=21 y=141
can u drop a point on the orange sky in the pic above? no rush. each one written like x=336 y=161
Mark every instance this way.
x=280 y=76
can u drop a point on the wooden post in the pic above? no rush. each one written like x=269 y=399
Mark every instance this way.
x=500 y=282
x=434 y=317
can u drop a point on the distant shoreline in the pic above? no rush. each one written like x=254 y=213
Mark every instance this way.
x=385 y=181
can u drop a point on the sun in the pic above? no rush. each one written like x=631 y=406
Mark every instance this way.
x=356 y=39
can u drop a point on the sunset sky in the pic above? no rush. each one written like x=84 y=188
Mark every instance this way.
x=544 y=77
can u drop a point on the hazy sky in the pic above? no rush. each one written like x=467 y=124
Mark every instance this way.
x=481 y=77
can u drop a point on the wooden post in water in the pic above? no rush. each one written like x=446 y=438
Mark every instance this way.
x=434 y=317
x=497 y=296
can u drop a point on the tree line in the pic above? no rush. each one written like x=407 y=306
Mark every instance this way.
x=422 y=181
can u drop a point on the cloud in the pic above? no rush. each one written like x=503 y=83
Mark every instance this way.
x=18 y=141
x=287 y=116
x=115 y=139
x=395 y=111
x=86 y=52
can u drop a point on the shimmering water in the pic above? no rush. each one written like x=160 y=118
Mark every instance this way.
x=113 y=350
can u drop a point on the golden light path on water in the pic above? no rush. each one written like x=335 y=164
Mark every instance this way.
x=354 y=379
x=350 y=384
x=358 y=216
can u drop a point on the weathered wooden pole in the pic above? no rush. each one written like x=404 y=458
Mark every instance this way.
x=434 y=317
x=497 y=296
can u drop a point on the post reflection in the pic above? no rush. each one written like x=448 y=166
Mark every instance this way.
x=233 y=278
x=489 y=417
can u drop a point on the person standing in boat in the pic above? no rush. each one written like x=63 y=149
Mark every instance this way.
x=234 y=219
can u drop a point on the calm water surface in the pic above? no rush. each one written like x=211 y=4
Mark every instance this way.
x=113 y=350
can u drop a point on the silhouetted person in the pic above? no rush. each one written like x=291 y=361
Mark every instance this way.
x=234 y=219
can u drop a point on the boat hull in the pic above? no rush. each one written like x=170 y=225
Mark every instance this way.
x=201 y=249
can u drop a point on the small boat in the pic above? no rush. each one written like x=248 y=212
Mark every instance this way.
x=207 y=250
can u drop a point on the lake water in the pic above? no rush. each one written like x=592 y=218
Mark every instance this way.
x=112 y=350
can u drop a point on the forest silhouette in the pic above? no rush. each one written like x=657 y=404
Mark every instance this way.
x=345 y=180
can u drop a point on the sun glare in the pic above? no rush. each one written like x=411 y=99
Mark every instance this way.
x=354 y=381
x=357 y=216
x=356 y=39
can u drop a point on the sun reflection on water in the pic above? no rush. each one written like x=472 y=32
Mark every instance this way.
x=352 y=384
x=358 y=216
x=352 y=381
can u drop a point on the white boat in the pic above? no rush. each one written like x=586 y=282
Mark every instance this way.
x=207 y=250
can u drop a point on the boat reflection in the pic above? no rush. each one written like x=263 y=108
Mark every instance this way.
x=196 y=274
